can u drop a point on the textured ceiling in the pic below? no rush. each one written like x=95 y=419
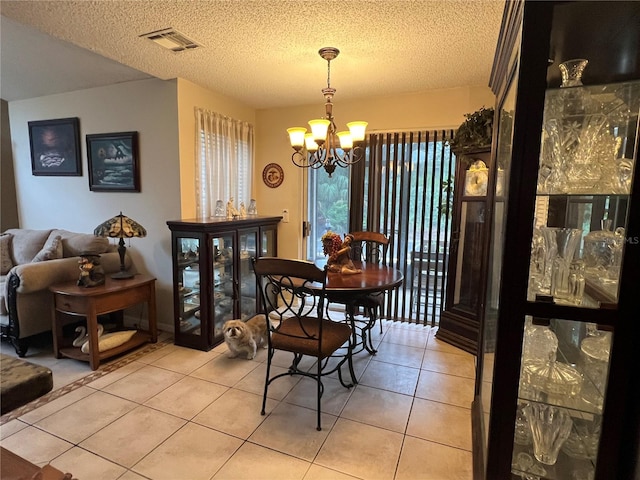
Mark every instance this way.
x=263 y=53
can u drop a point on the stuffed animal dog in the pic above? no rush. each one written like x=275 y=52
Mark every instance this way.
x=245 y=337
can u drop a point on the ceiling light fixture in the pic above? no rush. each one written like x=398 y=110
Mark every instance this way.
x=320 y=148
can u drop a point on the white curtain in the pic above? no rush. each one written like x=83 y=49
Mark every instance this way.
x=224 y=161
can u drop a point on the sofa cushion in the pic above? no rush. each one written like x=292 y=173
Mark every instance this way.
x=52 y=249
x=75 y=244
x=26 y=244
x=5 y=253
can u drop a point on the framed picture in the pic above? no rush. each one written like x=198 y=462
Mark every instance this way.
x=113 y=162
x=55 y=147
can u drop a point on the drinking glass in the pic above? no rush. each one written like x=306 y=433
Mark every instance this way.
x=550 y=427
x=567 y=241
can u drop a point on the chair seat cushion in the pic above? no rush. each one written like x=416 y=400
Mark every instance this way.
x=302 y=336
x=22 y=382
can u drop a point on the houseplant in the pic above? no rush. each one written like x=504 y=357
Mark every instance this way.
x=475 y=132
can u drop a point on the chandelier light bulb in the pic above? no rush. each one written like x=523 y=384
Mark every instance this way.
x=319 y=128
x=296 y=136
x=346 y=140
x=309 y=143
x=357 y=130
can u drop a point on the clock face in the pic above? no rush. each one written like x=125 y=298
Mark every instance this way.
x=476 y=179
x=273 y=175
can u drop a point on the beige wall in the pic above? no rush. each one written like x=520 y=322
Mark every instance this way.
x=148 y=107
x=428 y=110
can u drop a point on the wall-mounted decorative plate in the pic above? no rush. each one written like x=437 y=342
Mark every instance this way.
x=273 y=175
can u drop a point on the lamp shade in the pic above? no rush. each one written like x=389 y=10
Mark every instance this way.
x=120 y=226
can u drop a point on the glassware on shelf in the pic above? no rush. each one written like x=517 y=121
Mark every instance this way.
x=624 y=173
x=571 y=71
x=575 y=100
x=522 y=435
x=549 y=250
x=567 y=241
x=576 y=282
x=603 y=252
x=253 y=209
x=540 y=343
x=585 y=139
x=550 y=427
x=558 y=380
x=584 y=438
x=537 y=264
x=595 y=349
x=528 y=469
x=220 y=211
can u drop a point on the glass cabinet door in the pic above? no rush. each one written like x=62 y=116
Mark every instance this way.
x=584 y=182
x=268 y=242
x=189 y=281
x=484 y=381
x=223 y=294
x=577 y=249
x=248 y=244
x=468 y=274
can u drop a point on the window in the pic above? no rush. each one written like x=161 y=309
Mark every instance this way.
x=224 y=163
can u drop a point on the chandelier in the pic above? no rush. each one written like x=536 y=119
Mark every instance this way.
x=324 y=147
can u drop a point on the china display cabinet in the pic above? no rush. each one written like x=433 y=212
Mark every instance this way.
x=212 y=274
x=557 y=394
x=462 y=316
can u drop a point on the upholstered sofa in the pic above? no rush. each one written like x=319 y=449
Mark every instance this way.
x=32 y=261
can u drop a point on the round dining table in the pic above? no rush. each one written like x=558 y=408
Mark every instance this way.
x=347 y=289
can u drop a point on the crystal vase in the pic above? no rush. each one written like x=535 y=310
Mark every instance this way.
x=572 y=71
x=550 y=251
x=567 y=241
x=550 y=427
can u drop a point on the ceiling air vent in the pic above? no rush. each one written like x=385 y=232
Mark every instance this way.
x=171 y=39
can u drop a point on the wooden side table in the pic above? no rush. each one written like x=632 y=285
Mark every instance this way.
x=72 y=301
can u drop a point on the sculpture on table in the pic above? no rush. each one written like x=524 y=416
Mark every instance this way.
x=339 y=252
x=91 y=272
x=232 y=211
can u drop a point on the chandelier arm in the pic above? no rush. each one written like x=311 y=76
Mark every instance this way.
x=349 y=158
x=304 y=159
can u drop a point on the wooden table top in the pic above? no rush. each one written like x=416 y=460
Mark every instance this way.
x=110 y=285
x=373 y=278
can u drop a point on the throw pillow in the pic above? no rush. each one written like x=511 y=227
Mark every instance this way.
x=6 y=263
x=51 y=250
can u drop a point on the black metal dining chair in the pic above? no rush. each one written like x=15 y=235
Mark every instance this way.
x=292 y=296
x=370 y=247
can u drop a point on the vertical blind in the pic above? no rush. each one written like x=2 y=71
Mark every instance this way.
x=404 y=189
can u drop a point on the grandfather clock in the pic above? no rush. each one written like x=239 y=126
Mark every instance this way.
x=461 y=318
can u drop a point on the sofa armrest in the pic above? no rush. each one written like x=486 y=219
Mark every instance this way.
x=41 y=275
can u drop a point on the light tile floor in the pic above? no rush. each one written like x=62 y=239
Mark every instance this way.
x=182 y=414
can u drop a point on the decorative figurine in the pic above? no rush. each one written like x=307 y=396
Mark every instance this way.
x=243 y=210
x=232 y=211
x=339 y=260
x=91 y=272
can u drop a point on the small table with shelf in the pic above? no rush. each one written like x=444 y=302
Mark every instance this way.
x=72 y=301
